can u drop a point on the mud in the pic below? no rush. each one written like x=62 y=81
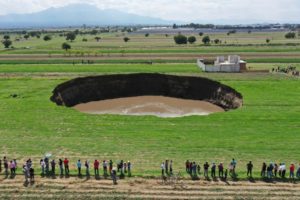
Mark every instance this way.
x=149 y=105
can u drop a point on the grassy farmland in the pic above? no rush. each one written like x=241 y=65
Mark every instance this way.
x=266 y=128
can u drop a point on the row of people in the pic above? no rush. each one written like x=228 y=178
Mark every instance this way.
x=48 y=167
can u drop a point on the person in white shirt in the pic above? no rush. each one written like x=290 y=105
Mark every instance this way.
x=162 y=169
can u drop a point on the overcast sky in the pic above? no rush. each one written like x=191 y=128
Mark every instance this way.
x=237 y=11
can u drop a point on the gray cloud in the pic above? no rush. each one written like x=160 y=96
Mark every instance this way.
x=238 y=11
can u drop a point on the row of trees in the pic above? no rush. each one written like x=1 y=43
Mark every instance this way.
x=182 y=39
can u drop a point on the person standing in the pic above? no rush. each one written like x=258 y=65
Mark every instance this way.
x=43 y=165
x=5 y=164
x=221 y=170
x=129 y=168
x=187 y=166
x=249 y=169
x=233 y=164
x=213 y=170
x=263 y=170
x=79 y=167
x=61 y=169
x=11 y=167
x=205 y=167
x=292 y=171
x=66 y=165
x=26 y=173
x=167 y=166
x=298 y=172
x=31 y=174
x=110 y=166
x=114 y=176
x=171 y=167
x=162 y=166
x=53 y=163
x=125 y=167
x=104 y=163
x=283 y=170
x=275 y=169
x=199 y=169
x=96 y=167
x=87 y=168
x=47 y=165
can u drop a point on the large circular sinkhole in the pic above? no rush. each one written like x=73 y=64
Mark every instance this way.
x=147 y=94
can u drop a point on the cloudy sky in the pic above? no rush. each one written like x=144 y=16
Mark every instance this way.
x=214 y=11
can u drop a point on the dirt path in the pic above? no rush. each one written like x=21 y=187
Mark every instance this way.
x=137 y=188
x=151 y=56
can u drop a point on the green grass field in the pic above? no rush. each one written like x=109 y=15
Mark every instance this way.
x=266 y=128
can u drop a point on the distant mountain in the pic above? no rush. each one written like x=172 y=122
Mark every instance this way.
x=76 y=15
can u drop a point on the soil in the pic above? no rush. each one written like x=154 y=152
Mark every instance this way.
x=150 y=105
x=139 y=188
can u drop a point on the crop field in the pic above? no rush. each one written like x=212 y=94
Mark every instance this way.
x=265 y=129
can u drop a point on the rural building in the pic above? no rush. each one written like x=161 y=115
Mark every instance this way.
x=232 y=64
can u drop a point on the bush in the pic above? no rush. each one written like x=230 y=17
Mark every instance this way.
x=66 y=46
x=126 y=39
x=180 y=39
x=6 y=43
x=201 y=34
x=290 y=35
x=192 y=39
x=147 y=35
x=47 y=37
x=206 y=40
x=217 y=41
x=84 y=40
x=71 y=36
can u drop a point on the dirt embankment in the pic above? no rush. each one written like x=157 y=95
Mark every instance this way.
x=76 y=188
x=88 y=89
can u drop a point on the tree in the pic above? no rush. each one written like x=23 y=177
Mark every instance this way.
x=7 y=43
x=192 y=39
x=180 y=39
x=175 y=26
x=71 y=36
x=66 y=46
x=126 y=39
x=268 y=40
x=94 y=32
x=147 y=35
x=201 y=34
x=290 y=35
x=47 y=37
x=217 y=41
x=26 y=37
x=6 y=37
x=97 y=38
x=206 y=40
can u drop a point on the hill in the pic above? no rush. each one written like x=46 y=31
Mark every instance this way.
x=76 y=15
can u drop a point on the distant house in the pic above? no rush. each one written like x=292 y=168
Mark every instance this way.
x=232 y=64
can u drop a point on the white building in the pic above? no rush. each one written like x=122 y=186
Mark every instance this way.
x=232 y=64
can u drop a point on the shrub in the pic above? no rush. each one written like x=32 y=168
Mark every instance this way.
x=180 y=39
x=192 y=39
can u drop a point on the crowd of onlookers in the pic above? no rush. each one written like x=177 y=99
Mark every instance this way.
x=121 y=169
x=270 y=171
x=49 y=166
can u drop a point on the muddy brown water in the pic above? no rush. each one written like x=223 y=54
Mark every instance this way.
x=150 y=105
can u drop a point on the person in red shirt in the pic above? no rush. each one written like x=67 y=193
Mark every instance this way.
x=66 y=164
x=292 y=171
x=96 y=167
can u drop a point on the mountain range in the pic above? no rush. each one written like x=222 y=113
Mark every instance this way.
x=77 y=15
